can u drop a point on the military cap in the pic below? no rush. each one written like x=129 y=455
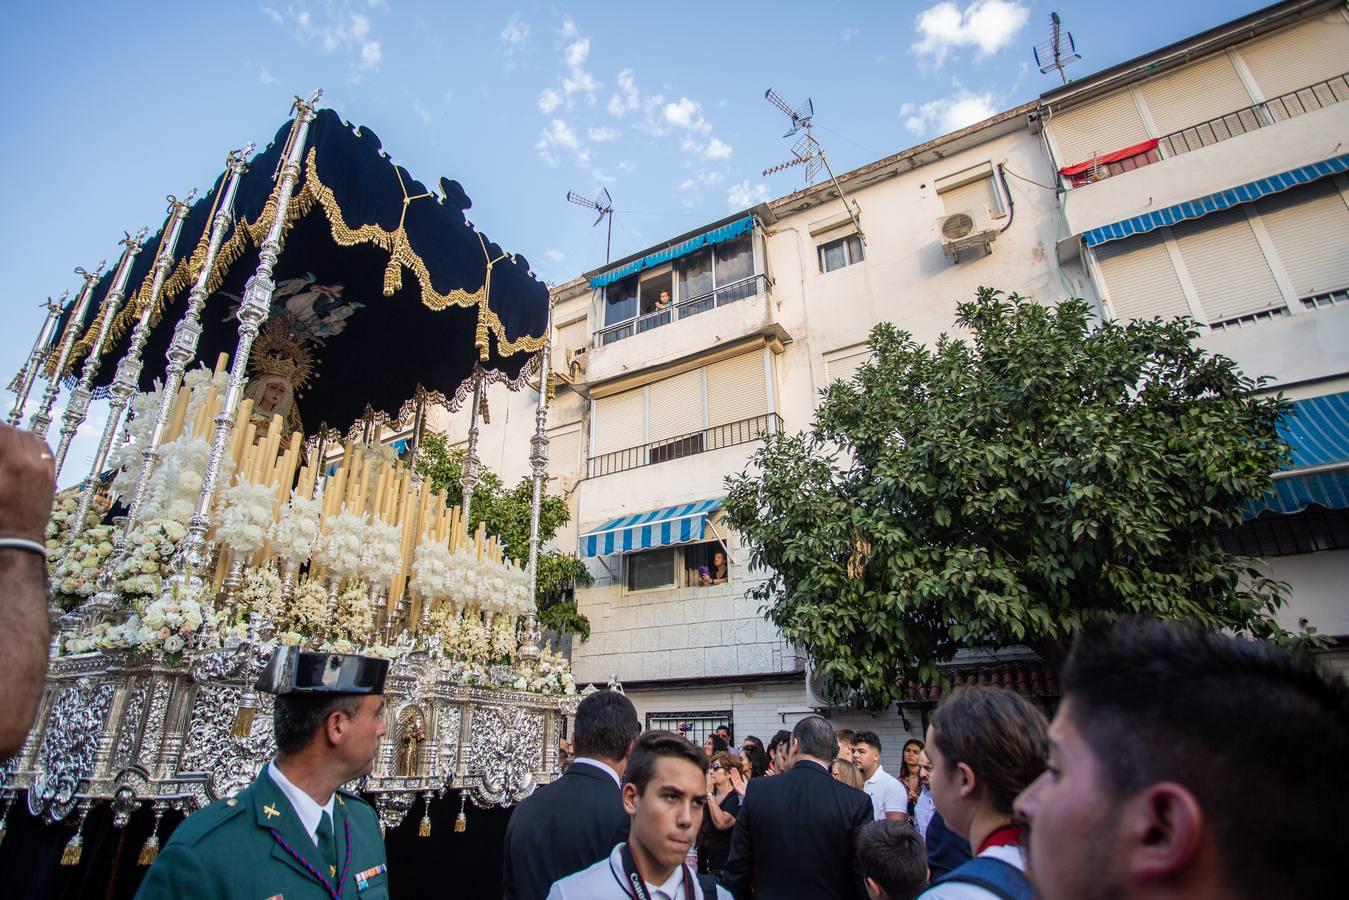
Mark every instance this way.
x=292 y=671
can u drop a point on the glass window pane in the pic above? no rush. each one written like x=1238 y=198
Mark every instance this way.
x=854 y=249
x=832 y=256
x=620 y=301
x=695 y=275
x=653 y=569
x=735 y=260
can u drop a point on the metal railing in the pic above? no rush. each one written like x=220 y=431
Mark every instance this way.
x=721 y=296
x=728 y=435
x=1234 y=124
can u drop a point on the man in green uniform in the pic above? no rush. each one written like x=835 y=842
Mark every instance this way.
x=293 y=833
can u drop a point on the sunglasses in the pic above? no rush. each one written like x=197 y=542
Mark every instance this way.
x=716 y=768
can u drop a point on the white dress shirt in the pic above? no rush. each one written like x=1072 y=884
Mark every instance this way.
x=305 y=806
x=962 y=890
x=589 y=761
x=923 y=810
x=604 y=881
x=887 y=794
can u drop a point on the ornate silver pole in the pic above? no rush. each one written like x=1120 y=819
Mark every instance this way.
x=538 y=461
x=185 y=335
x=418 y=424
x=469 y=478
x=190 y=559
x=129 y=367
x=23 y=382
x=42 y=418
x=77 y=407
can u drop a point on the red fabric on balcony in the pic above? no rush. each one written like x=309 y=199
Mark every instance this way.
x=1136 y=149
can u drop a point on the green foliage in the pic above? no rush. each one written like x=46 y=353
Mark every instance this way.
x=1048 y=471
x=563 y=618
x=506 y=512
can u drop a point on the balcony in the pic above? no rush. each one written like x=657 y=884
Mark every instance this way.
x=1280 y=109
x=715 y=438
x=731 y=293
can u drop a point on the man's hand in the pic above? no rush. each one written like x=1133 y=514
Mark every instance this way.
x=27 y=483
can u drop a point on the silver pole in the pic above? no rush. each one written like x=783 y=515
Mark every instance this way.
x=185 y=335
x=538 y=461
x=23 y=382
x=42 y=418
x=189 y=561
x=469 y=477
x=77 y=407
x=129 y=367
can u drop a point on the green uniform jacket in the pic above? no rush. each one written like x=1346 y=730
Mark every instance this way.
x=227 y=851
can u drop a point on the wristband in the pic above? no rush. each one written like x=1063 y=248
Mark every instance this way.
x=11 y=543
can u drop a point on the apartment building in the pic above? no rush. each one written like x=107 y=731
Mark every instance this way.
x=1204 y=179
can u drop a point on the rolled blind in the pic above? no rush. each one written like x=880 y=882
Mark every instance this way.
x=1194 y=94
x=979 y=192
x=1101 y=126
x=570 y=338
x=1310 y=230
x=675 y=406
x=619 y=422
x=736 y=389
x=1140 y=280
x=1226 y=265
x=1300 y=56
x=843 y=364
x=564 y=453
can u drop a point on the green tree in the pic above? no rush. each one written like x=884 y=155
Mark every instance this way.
x=506 y=512
x=1006 y=489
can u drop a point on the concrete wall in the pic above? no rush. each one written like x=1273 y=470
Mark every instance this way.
x=1317 y=590
x=1311 y=344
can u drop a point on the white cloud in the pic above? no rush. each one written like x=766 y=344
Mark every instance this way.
x=626 y=165
x=549 y=101
x=602 y=134
x=273 y=15
x=560 y=134
x=576 y=79
x=555 y=255
x=515 y=35
x=988 y=25
x=266 y=77
x=849 y=33
x=947 y=114
x=627 y=98
x=742 y=195
x=421 y=111
x=686 y=113
x=370 y=54
x=337 y=27
x=568 y=29
x=717 y=149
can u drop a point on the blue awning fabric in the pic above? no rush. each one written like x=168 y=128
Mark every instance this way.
x=1317 y=432
x=667 y=527
x=1202 y=206
x=706 y=239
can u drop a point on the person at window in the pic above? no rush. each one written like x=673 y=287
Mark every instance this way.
x=716 y=573
x=663 y=301
x=723 y=805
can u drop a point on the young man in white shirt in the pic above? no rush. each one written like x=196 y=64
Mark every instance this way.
x=666 y=795
x=889 y=798
x=986 y=745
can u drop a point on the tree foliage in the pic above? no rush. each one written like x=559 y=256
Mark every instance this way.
x=506 y=512
x=1006 y=489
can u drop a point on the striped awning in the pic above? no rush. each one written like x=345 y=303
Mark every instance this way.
x=667 y=527
x=719 y=235
x=1317 y=432
x=1193 y=209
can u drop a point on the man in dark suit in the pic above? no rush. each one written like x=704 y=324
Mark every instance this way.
x=574 y=822
x=795 y=833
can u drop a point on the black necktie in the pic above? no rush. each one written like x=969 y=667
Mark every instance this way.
x=326 y=844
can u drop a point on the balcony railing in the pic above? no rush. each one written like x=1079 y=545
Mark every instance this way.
x=729 y=293
x=1288 y=106
x=728 y=435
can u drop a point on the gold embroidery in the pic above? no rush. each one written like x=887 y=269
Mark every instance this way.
x=271 y=810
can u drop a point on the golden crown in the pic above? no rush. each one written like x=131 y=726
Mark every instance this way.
x=278 y=351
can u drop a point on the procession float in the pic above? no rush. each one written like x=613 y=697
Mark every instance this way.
x=251 y=352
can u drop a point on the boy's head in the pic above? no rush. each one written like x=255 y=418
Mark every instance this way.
x=665 y=793
x=893 y=858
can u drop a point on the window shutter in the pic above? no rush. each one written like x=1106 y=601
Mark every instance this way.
x=1226 y=265
x=843 y=364
x=979 y=192
x=1199 y=92
x=1310 y=230
x=1299 y=56
x=735 y=389
x=564 y=453
x=570 y=338
x=675 y=406
x=619 y=422
x=1140 y=280
x=1101 y=126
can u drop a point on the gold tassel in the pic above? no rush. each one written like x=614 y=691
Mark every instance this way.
x=243 y=716
x=424 y=828
x=71 y=855
x=461 y=820
x=150 y=849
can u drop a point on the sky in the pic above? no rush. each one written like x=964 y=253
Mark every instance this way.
x=111 y=106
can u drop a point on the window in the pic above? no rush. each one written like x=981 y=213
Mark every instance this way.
x=969 y=188
x=843 y=364
x=695 y=278
x=695 y=726
x=651 y=569
x=701 y=559
x=1314 y=529
x=843 y=252
x=620 y=305
x=656 y=300
x=735 y=263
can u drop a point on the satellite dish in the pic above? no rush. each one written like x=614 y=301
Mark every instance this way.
x=957 y=226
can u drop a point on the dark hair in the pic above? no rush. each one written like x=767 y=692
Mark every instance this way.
x=1216 y=704
x=727 y=727
x=904 y=770
x=782 y=737
x=998 y=734
x=892 y=854
x=758 y=759
x=606 y=723
x=296 y=719
x=815 y=737
x=719 y=744
x=870 y=738
x=653 y=745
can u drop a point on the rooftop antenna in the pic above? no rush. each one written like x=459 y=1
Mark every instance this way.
x=808 y=152
x=1058 y=51
x=604 y=207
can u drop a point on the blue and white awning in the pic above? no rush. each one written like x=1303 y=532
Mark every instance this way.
x=1317 y=432
x=719 y=235
x=667 y=527
x=1193 y=209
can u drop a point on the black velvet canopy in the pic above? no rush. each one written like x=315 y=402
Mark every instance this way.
x=386 y=281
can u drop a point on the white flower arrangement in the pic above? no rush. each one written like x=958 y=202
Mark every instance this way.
x=308 y=613
x=503 y=638
x=342 y=544
x=354 y=621
x=176 y=483
x=383 y=552
x=294 y=533
x=246 y=513
x=74 y=569
x=474 y=643
x=149 y=547
x=126 y=457
x=466 y=584
x=261 y=594
x=433 y=574
x=553 y=675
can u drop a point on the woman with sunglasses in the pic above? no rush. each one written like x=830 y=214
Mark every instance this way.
x=723 y=805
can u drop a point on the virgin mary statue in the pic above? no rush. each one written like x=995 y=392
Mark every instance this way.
x=279 y=369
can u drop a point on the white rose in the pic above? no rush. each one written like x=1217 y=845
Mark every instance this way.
x=173 y=643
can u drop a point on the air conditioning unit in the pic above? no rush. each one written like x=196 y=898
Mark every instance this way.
x=965 y=229
x=823 y=692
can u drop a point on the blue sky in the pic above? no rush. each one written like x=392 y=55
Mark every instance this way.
x=112 y=106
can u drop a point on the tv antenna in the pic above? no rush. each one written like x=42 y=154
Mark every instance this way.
x=809 y=152
x=604 y=207
x=1058 y=51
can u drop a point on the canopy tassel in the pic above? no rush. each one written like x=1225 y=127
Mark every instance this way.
x=424 y=829
x=461 y=820
x=243 y=716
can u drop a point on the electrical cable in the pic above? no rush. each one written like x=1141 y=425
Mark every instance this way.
x=1031 y=180
x=1011 y=203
